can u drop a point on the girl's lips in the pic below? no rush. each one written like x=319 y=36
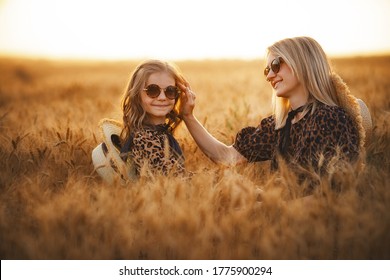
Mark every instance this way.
x=161 y=106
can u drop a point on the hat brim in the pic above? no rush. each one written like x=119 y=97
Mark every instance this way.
x=106 y=156
x=102 y=164
x=366 y=117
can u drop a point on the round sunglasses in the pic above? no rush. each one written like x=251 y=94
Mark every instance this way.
x=275 y=66
x=153 y=91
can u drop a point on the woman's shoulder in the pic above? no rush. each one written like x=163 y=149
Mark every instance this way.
x=328 y=108
x=328 y=117
x=329 y=112
x=266 y=126
x=270 y=120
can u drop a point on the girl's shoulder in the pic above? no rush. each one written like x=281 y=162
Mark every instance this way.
x=268 y=120
x=145 y=135
x=150 y=137
x=150 y=131
x=147 y=143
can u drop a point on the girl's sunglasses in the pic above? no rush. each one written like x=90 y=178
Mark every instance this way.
x=153 y=91
x=275 y=66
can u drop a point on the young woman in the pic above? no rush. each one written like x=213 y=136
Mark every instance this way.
x=314 y=120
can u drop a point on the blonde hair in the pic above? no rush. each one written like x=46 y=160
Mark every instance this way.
x=310 y=65
x=133 y=113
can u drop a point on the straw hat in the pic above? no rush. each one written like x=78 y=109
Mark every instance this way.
x=106 y=156
x=357 y=109
x=366 y=117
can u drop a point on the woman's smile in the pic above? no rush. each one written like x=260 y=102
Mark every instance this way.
x=275 y=83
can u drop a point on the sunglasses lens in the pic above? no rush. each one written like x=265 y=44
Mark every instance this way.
x=275 y=65
x=172 y=92
x=153 y=90
x=266 y=71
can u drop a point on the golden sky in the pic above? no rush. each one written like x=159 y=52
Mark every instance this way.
x=188 y=29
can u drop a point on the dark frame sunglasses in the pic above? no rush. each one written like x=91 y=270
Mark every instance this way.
x=153 y=91
x=275 y=66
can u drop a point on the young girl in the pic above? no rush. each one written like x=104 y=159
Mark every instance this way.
x=144 y=144
x=150 y=107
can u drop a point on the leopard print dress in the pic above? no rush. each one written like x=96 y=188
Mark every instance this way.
x=326 y=131
x=153 y=149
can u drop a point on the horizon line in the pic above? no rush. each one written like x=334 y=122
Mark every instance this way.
x=15 y=55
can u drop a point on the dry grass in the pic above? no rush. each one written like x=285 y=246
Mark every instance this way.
x=53 y=206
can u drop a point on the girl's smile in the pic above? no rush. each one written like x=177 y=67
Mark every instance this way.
x=157 y=108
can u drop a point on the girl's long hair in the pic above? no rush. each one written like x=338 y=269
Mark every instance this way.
x=133 y=113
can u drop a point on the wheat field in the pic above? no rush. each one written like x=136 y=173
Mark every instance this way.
x=54 y=206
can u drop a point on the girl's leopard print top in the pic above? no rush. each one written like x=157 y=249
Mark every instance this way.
x=325 y=131
x=154 y=149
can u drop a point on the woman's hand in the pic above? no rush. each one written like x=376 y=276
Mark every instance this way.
x=187 y=100
x=210 y=146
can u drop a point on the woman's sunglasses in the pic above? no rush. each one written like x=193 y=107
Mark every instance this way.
x=275 y=66
x=153 y=91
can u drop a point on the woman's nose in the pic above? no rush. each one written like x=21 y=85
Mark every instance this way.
x=270 y=75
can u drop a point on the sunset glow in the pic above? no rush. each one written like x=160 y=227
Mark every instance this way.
x=174 y=29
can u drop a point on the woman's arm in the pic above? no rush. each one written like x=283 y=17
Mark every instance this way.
x=210 y=146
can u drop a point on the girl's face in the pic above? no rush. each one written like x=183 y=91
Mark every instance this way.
x=157 y=108
x=284 y=82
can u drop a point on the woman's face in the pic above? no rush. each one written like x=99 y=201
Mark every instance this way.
x=284 y=82
x=157 y=108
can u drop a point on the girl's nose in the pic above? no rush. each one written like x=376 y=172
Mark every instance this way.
x=162 y=95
